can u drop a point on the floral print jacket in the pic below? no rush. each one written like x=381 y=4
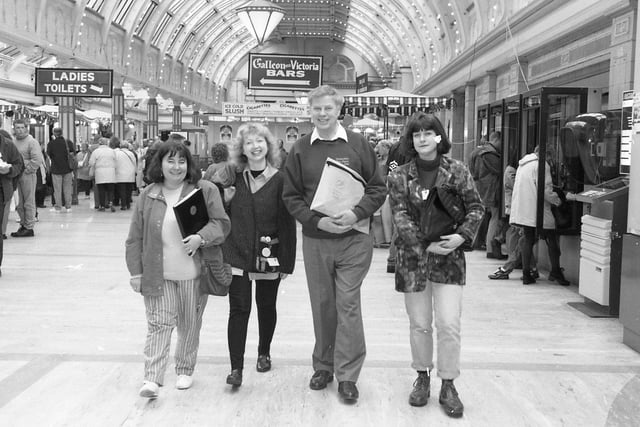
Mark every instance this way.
x=414 y=265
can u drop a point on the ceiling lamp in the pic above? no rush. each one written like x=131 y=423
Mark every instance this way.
x=261 y=17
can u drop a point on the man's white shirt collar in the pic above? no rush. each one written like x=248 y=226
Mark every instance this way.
x=341 y=133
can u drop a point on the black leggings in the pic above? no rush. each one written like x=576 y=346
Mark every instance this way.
x=239 y=311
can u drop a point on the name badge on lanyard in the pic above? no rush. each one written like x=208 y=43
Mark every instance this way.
x=424 y=194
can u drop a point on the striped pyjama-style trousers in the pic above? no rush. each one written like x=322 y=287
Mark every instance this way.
x=182 y=305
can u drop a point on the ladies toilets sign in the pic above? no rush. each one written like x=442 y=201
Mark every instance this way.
x=93 y=83
x=284 y=72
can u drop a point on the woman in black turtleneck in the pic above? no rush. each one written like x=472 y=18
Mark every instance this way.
x=257 y=214
x=431 y=274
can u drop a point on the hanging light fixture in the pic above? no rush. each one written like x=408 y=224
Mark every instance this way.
x=261 y=17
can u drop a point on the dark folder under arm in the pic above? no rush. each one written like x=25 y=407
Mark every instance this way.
x=191 y=213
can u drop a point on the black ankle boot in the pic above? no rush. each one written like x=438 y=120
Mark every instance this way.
x=528 y=278
x=421 y=389
x=449 y=399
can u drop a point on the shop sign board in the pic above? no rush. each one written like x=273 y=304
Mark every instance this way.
x=266 y=109
x=629 y=125
x=93 y=83
x=284 y=72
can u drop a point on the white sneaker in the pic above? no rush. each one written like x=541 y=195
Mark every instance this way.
x=67 y=210
x=149 y=390
x=184 y=382
x=54 y=210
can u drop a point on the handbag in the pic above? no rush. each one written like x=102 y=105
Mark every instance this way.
x=267 y=259
x=215 y=274
x=71 y=157
x=442 y=213
x=562 y=214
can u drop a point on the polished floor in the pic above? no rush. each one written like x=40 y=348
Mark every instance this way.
x=72 y=333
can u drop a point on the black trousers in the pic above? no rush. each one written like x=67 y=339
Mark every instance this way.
x=553 y=247
x=105 y=195
x=239 y=311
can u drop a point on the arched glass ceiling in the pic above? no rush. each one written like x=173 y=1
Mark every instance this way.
x=207 y=38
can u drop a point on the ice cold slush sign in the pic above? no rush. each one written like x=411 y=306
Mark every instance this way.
x=74 y=82
x=284 y=72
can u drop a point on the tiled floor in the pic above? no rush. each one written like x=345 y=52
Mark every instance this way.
x=72 y=332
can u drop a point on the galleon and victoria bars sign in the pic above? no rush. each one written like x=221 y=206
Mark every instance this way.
x=94 y=83
x=284 y=72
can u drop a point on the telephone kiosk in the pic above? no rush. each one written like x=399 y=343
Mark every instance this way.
x=592 y=142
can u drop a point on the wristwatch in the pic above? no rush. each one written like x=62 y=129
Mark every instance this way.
x=203 y=242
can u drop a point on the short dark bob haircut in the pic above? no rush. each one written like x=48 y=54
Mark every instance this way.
x=172 y=147
x=422 y=121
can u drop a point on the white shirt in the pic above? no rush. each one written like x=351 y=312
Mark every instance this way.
x=341 y=133
x=176 y=264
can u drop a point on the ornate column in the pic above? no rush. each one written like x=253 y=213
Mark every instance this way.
x=469 y=119
x=176 y=122
x=67 y=111
x=117 y=113
x=152 y=118
x=622 y=61
x=457 y=125
x=195 y=118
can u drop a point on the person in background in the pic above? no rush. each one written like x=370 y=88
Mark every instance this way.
x=432 y=274
x=32 y=156
x=61 y=173
x=165 y=268
x=487 y=173
x=11 y=166
x=336 y=257
x=382 y=224
x=514 y=235
x=283 y=154
x=259 y=222
x=126 y=165
x=524 y=209
x=85 y=181
x=103 y=169
x=219 y=156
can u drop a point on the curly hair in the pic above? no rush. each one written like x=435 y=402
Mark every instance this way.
x=273 y=154
x=422 y=121
x=171 y=148
x=220 y=152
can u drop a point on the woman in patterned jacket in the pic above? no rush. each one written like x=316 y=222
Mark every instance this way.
x=431 y=273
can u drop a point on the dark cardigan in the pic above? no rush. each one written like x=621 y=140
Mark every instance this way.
x=260 y=214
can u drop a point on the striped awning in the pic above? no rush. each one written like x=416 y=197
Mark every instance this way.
x=360 y=105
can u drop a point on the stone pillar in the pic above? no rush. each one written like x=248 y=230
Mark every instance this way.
x=622 y=58
x=152 y=118
x=117 y=113
x=457 y=125
x=195 y=118
x=67 y=111
x=469 y=119
x=176 y=122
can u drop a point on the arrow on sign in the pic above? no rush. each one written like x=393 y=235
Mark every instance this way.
x=96 y=88
x=284 y=82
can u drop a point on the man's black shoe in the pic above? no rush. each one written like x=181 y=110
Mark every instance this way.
x=4 y=237
x=235 y=377
x=320 y=379
x=558 y=277
x=264 y=363
x=421 y=390
x=23 y=232
x=449 y=399
x=348 y=390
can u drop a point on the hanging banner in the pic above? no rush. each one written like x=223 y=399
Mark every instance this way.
x=266 y=109
x=93 y=83
x=284 y=72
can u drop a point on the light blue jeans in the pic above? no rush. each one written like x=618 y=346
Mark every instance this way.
x=445 y=302
x=62 y=184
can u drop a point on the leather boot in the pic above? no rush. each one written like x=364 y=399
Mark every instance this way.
x=421 y=390
x=449 y=399
x=528 y=278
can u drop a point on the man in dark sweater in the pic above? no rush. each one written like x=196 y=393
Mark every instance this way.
x=11 y=166
x=336 y=257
